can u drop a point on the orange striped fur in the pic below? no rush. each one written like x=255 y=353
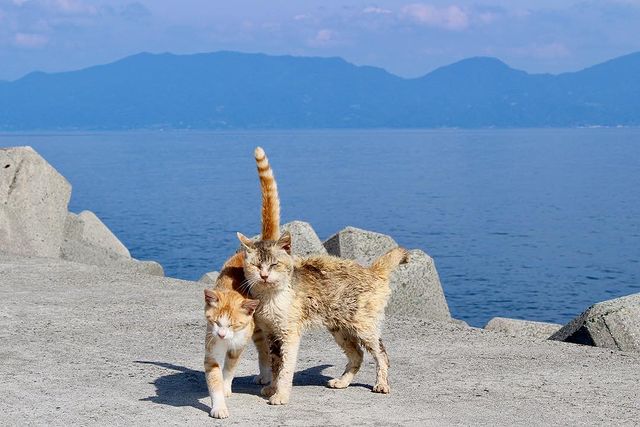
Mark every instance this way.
x=270 y=200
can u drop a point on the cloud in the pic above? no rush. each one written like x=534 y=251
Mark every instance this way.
x=376 y=10
x=30 y=40
x=74 y=7
x=135 y=11
x=323 y=37
x=452 y=17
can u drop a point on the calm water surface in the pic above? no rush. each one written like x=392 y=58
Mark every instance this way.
x=534 y=224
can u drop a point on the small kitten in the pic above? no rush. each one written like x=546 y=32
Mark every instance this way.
x=342 y=295
x=229 y=328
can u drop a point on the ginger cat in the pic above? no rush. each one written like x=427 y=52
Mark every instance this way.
x=229 y=327
x=234 y=288
x=295 y=293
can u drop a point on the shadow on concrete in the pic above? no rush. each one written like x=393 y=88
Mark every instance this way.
x=185 y=387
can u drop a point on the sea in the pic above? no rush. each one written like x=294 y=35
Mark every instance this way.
x=533 y=224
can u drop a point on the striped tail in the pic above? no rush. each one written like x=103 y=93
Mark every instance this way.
x=270 y=200
x=389 y=261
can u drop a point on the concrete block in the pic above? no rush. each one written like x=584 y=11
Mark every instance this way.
x=88 y=228
x=613 y=324
x=360 y=245
x=85 y=253
x=33 y=204
x=304 y=240
x=416 y=290
x=522 y=328
x=209 y=278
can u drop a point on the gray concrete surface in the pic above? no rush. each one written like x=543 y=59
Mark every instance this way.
x=611 y=324
x=83 y=345
x=417 y=291
x=87 y=227
x=522 y=328
x=85 y=253
x=33 y=203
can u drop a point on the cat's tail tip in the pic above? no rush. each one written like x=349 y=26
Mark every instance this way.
x=392 y=259
x=259 y=153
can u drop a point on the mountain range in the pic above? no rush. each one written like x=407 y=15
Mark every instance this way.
x=231 y=90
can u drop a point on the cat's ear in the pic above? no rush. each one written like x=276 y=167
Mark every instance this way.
x=246 y=242
x=250 y=305
x=211 y=298
x=284 y=242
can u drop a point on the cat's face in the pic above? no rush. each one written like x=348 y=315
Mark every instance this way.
x=228 y=312
x=267 y=264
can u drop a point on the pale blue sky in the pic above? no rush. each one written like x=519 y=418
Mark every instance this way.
x=408 y=38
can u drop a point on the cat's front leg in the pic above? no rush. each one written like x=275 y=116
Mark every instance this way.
x=213 y=374
x=284 y=381
x=275 y=355
x=264 y=358
x=230 y=364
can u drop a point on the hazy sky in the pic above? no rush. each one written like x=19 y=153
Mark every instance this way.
x=407 y=38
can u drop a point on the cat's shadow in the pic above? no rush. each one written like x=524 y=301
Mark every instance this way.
x=185 y=386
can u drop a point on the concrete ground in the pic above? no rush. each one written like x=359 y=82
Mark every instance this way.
x=87 y=345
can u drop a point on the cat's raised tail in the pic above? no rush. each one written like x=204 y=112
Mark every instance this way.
x=270 y=199
x=389 y=261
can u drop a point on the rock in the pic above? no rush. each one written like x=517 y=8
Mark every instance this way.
x=416 y=290
x=209 y=277
x=33 y=204
x=304 y=240
x=88 y=228
x=460 y=322
x=613 y=324
x=522 y=328
x=360 y=245
x=85 y=253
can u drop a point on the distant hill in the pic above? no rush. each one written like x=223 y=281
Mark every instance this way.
x=224 y=90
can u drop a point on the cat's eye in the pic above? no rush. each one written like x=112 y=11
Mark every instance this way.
x=274 y=265
x=217 y=323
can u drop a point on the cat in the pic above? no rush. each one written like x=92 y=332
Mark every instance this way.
x=229 y=326
x=296 y=293
x=232 y=274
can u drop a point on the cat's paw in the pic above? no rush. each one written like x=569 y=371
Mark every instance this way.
x=220 y=412
x=262 y=379
x=337 y=383
x=268 y=391
x=381 y=388
x=279 y=399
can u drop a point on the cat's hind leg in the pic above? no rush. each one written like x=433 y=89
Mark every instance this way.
x=349 y=344
x=373 y=343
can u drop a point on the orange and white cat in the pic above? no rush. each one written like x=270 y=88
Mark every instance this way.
x=229 y=327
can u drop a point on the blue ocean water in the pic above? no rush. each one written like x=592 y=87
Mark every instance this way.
x=532 y=224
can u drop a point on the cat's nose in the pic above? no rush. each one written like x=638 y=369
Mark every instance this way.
x=222 y=333
x=263 y=275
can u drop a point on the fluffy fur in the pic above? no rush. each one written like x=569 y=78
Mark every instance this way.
x=229 y=327
x=295 y=293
